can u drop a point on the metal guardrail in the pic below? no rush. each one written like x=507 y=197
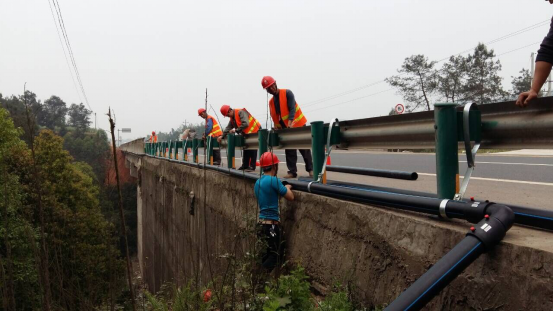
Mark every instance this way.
x=504 y=126
x=498 y=125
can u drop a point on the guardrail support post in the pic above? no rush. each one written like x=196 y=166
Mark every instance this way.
x=317 y=147
x=209 y=150
x=447 y=155
x=171 y=149
x=262 y=139
x=195 y=146
x=230 y=151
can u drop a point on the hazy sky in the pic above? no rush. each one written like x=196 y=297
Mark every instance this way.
x=152 y=60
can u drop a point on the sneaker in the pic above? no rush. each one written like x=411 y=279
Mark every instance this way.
x=250 y=169
x=290 y=175
x=310 y=174
x=241 y=168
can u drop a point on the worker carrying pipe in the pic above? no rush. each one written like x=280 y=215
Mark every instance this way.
x=241 y=122
x=212 y=130
x=267 y=190
x=286 y=113
x=153 y=137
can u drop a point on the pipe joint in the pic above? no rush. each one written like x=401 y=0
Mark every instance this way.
x=497 y=221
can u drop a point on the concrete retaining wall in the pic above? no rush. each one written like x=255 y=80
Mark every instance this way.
x=378 y=251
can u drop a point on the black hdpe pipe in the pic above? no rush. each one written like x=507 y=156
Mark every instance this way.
x=401 y=199
x=528 y=216
x=481 y=238
x=392 y=174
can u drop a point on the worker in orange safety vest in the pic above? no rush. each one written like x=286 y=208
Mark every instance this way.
x=286 y=113
x=241 y=122
x=213 y=130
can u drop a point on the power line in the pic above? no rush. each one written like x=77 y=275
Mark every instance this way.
x=362 y=97
x=68 y=44
x=64 y=53
x=515 y=33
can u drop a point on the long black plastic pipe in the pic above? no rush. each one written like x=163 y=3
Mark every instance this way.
x=401 y=199
x=392 y=174
x=481 y=238
x=528 y=216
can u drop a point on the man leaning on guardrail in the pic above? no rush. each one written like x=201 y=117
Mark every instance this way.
x=286 y=113
x=544 y=61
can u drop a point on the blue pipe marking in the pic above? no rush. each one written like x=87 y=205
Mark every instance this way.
x=533 y=216
x=386 y=192
x=443 y=275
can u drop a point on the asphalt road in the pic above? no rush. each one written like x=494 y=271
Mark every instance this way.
x=520 y=180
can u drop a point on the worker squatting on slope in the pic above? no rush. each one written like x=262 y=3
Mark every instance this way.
x=544 y=62
x=267 y=189
x=286 y=113
x=213 y=130
x=241 y=122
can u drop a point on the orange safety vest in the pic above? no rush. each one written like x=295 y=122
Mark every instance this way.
x=299 y=118
x=253 y=125
x=153 y=139
x=216 y=129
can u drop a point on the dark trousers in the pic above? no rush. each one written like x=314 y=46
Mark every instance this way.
x=248 y=158
x=216 y=156
x=270 y=236
x=292 y=159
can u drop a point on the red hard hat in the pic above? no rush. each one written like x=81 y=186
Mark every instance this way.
x=268 y=159
x=225 y=109
x=200 y=111
x=267 y=81
x=153 y=132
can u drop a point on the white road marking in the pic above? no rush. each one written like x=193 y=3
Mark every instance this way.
x=496 y=180
x=504 y=163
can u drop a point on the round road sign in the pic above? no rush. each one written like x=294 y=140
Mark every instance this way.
x=400 y=108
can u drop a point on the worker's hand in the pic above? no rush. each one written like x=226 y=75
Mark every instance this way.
x=219 y=139
x=292 y=124
x=232 y=131
x=525 y=97
x=203 y=137
x=288 y=186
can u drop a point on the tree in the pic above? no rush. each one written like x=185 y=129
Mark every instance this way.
x=19 y=283
x=416 y=82
x=79 y=117
x=54 y=110
x=452 y=79
x=521 y=83
x=483 y=83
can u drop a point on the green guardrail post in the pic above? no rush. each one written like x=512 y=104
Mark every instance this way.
x=230 y=151
x=170 y=149
x=447 y=155
x=262 y=139
x=195 y=146
x=317 y=147
x=209 y=149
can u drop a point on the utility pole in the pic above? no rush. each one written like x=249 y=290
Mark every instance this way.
x=532 y=65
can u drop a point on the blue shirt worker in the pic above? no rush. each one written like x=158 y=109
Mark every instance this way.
x=268 y=189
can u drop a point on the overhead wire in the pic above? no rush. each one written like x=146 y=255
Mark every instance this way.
x=70 y=50
x=64 y=53
x=504 y=37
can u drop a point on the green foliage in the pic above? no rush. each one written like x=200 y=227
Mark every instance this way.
x=416 y=82
x=173 y=298
x=79 y=117
x=91 y=147
x=289 y=292
x=338 y=300
x=521 y=83
x=54 y=110
x=474 y=77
